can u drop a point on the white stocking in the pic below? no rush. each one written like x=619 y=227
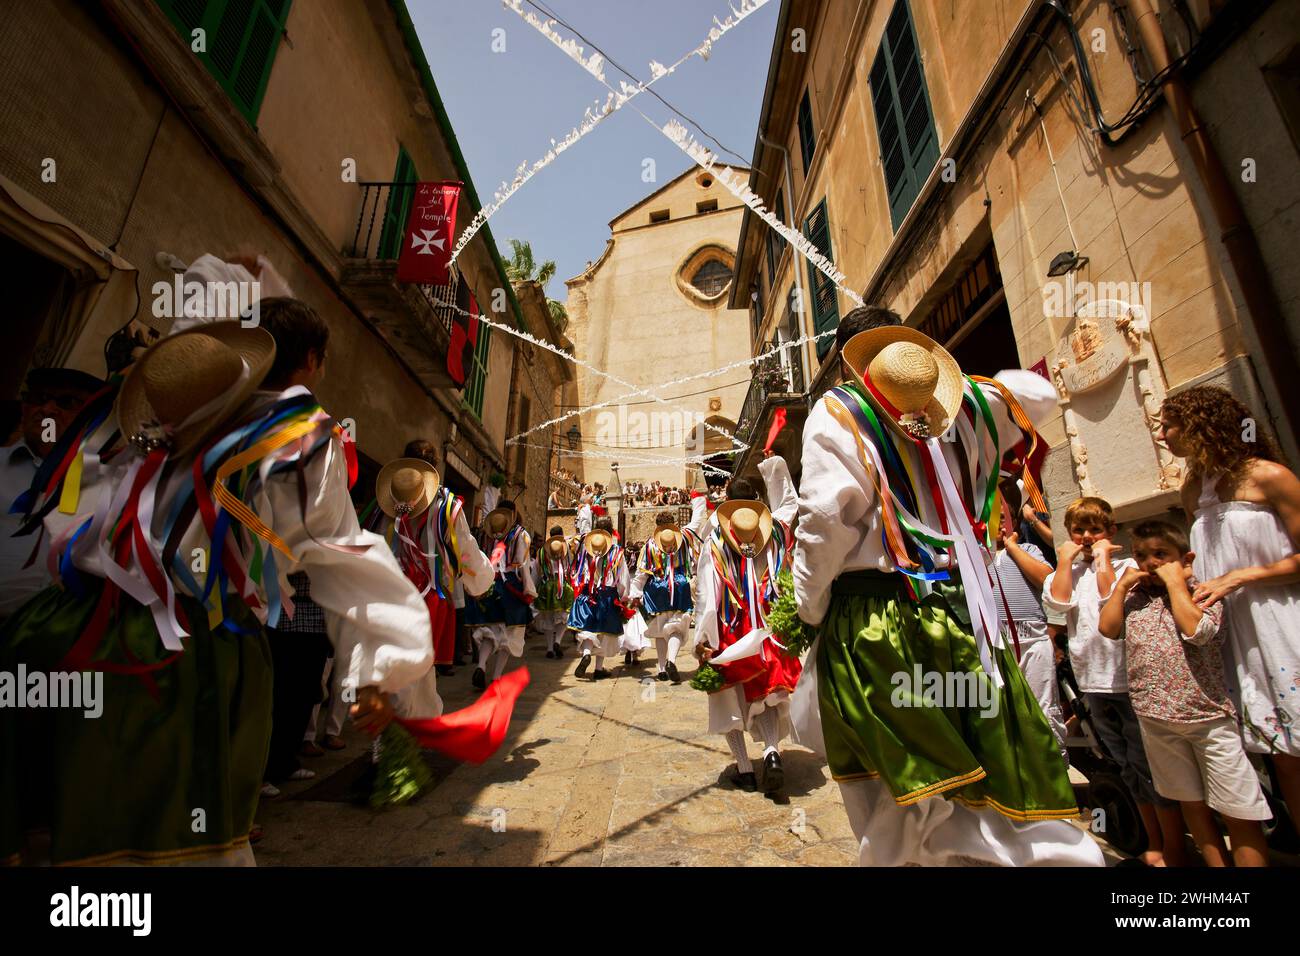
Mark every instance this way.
x=484 y=652
x=674 y=645
x=661 y=652
x=736 y=741
x=769 y=728
x=600 y=662
x=499 y=663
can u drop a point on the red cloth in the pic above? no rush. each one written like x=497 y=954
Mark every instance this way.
x=473 y=733
x=766 y=672
x=598 y=510
x=778 y=422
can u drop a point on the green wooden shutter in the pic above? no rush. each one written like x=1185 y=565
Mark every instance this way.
x=824 y=295
x=476 y=385
x=241 y=40
x=807 y=139
x=909 y=145
x=774 y=239
x=400 y=194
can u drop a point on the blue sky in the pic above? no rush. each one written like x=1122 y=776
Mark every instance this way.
x=506 y=107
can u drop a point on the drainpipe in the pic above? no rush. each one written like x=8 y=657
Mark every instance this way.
x=794 y=266
x=1262 y=308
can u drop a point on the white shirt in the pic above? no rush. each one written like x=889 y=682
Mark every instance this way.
x=18 y=465
x=783 y=503
x=374 y=616
x=840 y=523
x=1098 y=662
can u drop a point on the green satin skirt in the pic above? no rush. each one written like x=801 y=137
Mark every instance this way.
x=160 y=777
x=903 y=698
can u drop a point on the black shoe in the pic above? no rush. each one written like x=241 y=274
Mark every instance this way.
x=745 y=781
x=773 y=773
x=599 y=674
x=479 y=680
x=662 y=675
x=445 y=670
x=558 y=652
x=627 y=659
x=583 y=665
x=550 y=655
x=671 y=669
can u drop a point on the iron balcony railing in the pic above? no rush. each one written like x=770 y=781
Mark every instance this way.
x=772 y=376
x=381 y=224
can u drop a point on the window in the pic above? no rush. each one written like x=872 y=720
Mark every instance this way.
x=909 y=147
x=660 y=216
x=705 y=275
x=757 y=298
x=241 y=39
x=825 y=297
x=524 y=422
x=774 y=240
x=708 y=205
x=400 y=194
x=476 y=380
x=712 y=277
x=807 y=139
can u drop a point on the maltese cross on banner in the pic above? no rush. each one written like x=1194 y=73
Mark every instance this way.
x=430 y=228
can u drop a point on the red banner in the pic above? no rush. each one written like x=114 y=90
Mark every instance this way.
x=464 y=339
x=429 y=235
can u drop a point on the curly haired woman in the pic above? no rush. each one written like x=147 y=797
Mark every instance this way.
x=1245 y=510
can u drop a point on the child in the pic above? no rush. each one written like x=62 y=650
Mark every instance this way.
x=1019 y=571
x=600 y=583
x=554 y=592
x=662 y=591
x=1080 y=585
x=1175 y=682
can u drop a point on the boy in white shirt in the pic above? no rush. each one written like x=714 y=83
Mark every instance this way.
x=1098 y=662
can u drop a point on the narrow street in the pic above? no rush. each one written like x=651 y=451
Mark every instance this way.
x=613 y=773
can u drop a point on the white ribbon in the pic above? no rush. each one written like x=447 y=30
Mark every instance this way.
x=975 y=581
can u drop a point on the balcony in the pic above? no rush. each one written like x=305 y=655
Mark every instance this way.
x=408 y=317
x=776 y=384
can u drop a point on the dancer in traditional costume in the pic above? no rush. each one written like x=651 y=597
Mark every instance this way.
x=499 y=618
x=435 y=549
x=738 y=568
x=661 y=591
x=896 y=513
x=554 y=592
x=177 y=508
x=600 y=585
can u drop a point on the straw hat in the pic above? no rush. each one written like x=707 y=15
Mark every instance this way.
x=187 y=384
x=913 y=373
x=500 y=520
x=408 y=485
x=556 y=546
x=598 y=542
x=746 y=525
x=669 y=538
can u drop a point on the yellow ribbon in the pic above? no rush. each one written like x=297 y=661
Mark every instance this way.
x=236 y=508
x=71 y=493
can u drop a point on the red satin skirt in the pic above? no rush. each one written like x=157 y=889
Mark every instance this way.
x=442 y=618
x=768 y=671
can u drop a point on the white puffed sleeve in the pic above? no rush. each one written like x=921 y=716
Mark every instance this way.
x=706 y=604
x=521 y=558
x=374 y=616
x=833 y=504
x=475 y=569
x=781 y=496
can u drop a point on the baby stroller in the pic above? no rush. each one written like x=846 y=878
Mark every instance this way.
x=1119 y=821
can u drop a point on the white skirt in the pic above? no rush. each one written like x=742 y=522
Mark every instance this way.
x=634 y=634
x=939 y=832
x=502 y=636
x=728 y=710
x=602 y=645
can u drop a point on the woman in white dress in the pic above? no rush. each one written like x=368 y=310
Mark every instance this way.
x=1245 y=510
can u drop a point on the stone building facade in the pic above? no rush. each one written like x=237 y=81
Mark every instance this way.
x=949 y=156
x=654 y=308
x=136 y=138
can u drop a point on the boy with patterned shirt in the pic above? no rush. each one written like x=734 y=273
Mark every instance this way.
x=1081 y=583
x=1174 y=662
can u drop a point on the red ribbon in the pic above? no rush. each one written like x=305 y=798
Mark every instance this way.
x=778 y=423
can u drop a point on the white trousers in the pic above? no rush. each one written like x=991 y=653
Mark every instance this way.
x=337 y=706
x=502 y=636
x=1038 y=664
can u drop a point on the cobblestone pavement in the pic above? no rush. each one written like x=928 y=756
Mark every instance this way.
x=611 y=773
